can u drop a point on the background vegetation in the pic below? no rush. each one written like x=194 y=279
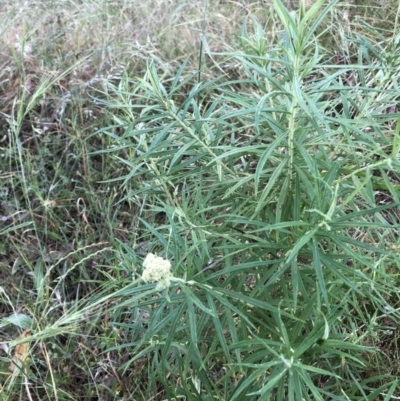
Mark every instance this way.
x=255 y=145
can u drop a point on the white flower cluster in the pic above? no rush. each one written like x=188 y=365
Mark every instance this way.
x=24 y=48
x=157 y=269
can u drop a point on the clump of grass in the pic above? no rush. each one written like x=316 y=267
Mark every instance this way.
x=271 y=187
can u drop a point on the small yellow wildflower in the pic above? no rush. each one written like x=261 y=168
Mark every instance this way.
x=157 y=269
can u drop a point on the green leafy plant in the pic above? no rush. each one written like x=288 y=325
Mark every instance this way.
x=267 y=211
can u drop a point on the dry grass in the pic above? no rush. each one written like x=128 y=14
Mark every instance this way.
x=101 y=39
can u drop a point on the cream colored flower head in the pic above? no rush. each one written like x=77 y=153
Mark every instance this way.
x=157 y=269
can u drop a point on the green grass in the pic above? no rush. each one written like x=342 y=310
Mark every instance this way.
x=257 y=152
